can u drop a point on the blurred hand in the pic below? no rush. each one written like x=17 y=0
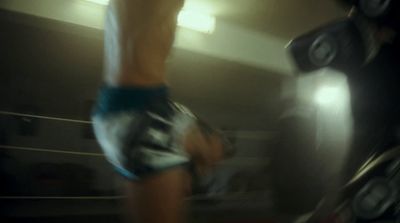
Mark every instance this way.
x=205 y=150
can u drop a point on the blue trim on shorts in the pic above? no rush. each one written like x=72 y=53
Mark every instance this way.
x=125 y=173
x=117 y=99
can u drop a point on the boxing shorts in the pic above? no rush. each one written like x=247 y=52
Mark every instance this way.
x=141 y=131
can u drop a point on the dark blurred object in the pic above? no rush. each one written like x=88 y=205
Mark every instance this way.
x=372 y=195
x=343 y=45
x=350 y=43
x=366 y=48
x=382 y=12
x=371 y=8
x=374 y=102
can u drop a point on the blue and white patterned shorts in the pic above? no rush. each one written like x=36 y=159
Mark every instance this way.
x=140 y=131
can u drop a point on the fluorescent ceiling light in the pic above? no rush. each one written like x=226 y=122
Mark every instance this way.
x=189 y=19
x=196 y=21
x=100 y=2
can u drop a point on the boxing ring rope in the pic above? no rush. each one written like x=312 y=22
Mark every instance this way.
x=238 y=196
x=61 y=197
x=255 y=135
x=32 y=149
x=243 y=161
x=44 y=117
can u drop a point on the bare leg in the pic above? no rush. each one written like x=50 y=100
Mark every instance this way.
x=138 y=39
x=159 y=198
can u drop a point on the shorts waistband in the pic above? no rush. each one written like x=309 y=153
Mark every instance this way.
x=116 y=99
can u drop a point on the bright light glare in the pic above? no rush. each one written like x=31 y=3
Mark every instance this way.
x=328 y=95
x=100 y=2
x=196 y=21
x=189 y=19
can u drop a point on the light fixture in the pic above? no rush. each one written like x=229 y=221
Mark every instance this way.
x=196 y=21
x=100 y=2
x=190 y=19
x=328 y=95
